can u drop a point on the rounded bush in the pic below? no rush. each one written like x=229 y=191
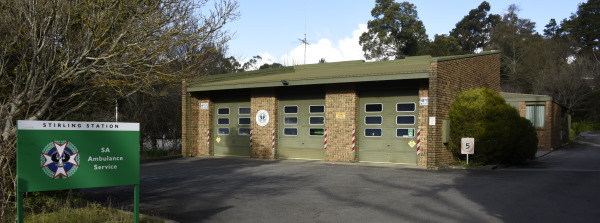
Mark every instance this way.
x=501 y=135
x=526 y=143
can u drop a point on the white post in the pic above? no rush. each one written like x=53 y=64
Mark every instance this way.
x=467 y=159
x=116 y=111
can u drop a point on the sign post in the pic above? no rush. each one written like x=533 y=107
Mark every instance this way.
x=59 y=155
x=467 y=146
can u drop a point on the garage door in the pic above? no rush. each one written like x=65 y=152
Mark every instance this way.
x=387 y=125
x=301 y=127
x=231 y=123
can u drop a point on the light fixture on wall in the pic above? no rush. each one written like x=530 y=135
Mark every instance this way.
x=285 y=83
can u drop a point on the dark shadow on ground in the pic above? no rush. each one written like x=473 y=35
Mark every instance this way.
x=560 y=187
x=411 y=196
x=165 y=187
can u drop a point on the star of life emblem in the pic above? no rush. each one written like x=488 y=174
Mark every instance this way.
x=60 y=159
x=262 y=118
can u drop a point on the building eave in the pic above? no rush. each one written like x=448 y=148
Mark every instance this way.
x=301 y=82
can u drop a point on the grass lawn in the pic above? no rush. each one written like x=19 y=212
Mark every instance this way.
x=89 y=214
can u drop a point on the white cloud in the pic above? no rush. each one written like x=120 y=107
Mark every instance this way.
x=350 y=47
x=345 y=49
x=266 y=59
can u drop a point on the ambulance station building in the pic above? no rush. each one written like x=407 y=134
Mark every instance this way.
x=384 y=112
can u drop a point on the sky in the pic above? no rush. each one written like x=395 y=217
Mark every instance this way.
x=273 y=28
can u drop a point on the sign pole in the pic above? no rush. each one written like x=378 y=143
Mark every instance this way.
x=20 y=206
x=136 y=203
x=467 y=146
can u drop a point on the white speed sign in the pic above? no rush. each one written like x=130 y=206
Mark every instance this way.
x=467 y=145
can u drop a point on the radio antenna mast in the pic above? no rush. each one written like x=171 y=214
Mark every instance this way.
x=305 y=43
x=304 y=40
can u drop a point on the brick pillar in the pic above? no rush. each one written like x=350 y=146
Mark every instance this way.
x=555 y=116
x=422 y=124
x=341 y=104
x=522 y=109
x=203 y=109
x=192 y=130
x=185 y=123
x=262 y=135
x=195 y=122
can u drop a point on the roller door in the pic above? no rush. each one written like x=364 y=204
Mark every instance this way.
x=387 y=125
x=301 y=127
x=231 y=128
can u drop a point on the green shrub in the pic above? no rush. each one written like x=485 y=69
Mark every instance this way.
x=501 y=135
x=46 y=201
x=526 y=142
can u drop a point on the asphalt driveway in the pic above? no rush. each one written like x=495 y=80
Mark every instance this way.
x=561 y=186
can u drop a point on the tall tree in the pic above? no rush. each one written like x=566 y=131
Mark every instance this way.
x=395 y=31
x=61 y=58
x=557 y=66
x=570 y=84
x=219 y=62
x=584 y=26
x=550 y=69
x=252 y=63
x=472 y=32
x=553 y=30
x=443 y=45
x=512 y=36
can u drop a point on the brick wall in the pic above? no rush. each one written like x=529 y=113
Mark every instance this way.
x=341 y=104
x=193 y=130
x=545 y=133
x=446 y=79
x=195 y=123
x=557 y=123
x=552 y=127
x=262 y=135
x=549 y=135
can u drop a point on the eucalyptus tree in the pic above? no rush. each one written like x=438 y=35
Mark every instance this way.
x=473 y=31
x=513 y=36
x=584 y=25
x=395 y=31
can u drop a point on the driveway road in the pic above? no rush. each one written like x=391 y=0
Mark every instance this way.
x=562 y=186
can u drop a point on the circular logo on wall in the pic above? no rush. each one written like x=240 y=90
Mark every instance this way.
x=60 y=159
x=262 y=118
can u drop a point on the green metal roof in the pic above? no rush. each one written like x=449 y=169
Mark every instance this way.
x=338 y=72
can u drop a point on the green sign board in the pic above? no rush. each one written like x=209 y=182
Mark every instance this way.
x=53 y=155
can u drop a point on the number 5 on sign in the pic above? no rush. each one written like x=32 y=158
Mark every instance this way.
x=467 y=146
